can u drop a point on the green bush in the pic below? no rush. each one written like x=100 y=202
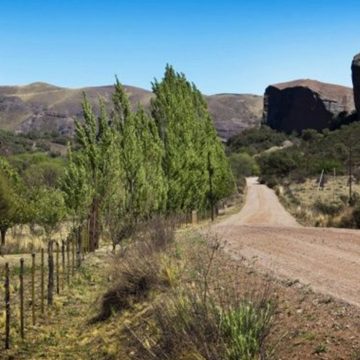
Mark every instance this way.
x=278 y=163
x=328 y=207
x=243 y=165
x=254 y=141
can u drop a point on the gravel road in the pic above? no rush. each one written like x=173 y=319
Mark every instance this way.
x=265 y=234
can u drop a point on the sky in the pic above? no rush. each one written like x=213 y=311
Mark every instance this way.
x=223 y=46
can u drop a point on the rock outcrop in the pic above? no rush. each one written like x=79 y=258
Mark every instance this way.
x=41 y=107
x=355 y=69
x=305 y=104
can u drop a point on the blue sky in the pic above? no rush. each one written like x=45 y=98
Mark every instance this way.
x=223 y=46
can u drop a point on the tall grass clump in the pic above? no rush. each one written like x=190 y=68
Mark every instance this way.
x=140 y=268
x=193 y=329
x=207 y=318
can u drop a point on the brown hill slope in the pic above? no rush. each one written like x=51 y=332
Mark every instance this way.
x=42 y=107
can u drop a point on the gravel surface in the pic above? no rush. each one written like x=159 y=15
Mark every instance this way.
x=265 y=234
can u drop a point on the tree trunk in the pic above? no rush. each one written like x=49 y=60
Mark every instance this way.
x=78 y=246
x=51 y=273
x=3 y=235
x=94 y=225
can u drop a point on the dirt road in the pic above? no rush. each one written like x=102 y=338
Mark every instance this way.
x=264 y=233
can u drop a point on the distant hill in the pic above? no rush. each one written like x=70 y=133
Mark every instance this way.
x=41 y=107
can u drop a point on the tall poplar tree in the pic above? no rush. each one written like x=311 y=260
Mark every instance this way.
x=98 y=155
x=141 y=153
x=194 y=162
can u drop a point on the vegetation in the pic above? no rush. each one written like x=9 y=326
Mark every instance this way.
x=123 y=168
x=194 y=163
x=254 y=141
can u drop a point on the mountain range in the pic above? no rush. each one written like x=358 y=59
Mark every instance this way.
x=45 y=108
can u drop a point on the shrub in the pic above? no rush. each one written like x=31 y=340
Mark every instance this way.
x=278 y=163
x=243 y=165
x=328 y=208
x=140 y=268
x=256 y=140
x=356 y=216
x=271 y=181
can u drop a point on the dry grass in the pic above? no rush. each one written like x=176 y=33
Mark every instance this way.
x=22 y=239
x=202 y=315
x=139 y=269
x=322 y=207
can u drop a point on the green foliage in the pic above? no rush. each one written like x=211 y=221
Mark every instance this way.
x=13 y=206
x=76 y=187
x=243 y=165
x=278 y=163
x=193 y=154
x=243 y=328
x=254 y=141
x=8 y=203
x=38 y=169
x=50 y=210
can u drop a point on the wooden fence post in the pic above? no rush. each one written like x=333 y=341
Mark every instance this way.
x=51 y=273
x=78 y=247
x=7 y=306
x=73 y=256
x=68 y=261
x=22 y=333
x=33 y=288
x=63 y=264
x=42 y=281
x=57 y=269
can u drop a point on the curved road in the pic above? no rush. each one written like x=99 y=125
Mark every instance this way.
x=265 y=233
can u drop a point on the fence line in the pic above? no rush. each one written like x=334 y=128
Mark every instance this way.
x=75 y=246
x=59 y=272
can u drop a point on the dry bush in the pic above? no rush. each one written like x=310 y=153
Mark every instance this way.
x=140 y=269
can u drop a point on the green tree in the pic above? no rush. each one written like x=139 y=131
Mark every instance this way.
x=194 y=159
x=50 y=210
x=12 y=205
x=98 y=157
x=141 y=153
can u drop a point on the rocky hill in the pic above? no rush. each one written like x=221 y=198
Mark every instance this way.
x=302 y=104
x=355 y=69
x=41 y=107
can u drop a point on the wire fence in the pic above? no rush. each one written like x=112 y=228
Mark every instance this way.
x=29 y=287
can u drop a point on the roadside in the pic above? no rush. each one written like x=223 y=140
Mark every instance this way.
x=306 y=325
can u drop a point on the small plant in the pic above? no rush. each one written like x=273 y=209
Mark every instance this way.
x=244 y=329
x=321 y=348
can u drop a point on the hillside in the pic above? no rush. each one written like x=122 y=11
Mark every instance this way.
x=41 y=107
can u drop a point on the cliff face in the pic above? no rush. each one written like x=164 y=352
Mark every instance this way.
x=303 y=104
x=355 y=69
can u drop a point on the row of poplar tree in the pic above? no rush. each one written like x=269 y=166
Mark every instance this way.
x=133 y=164
x=128 y=165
